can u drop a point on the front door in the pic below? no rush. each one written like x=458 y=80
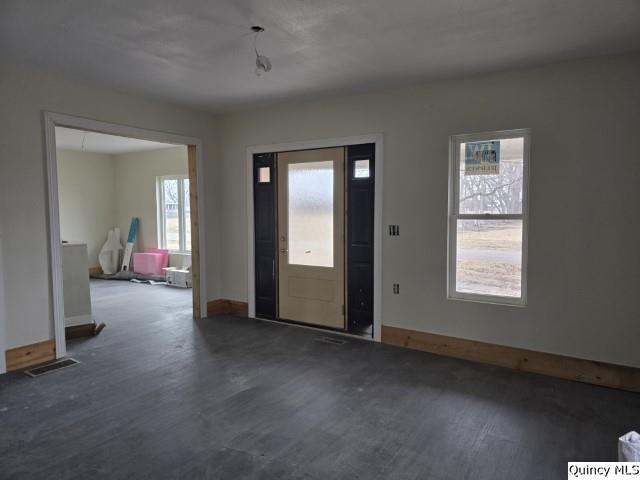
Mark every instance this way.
x=311 y=236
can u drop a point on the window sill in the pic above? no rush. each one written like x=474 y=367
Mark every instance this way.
x=488 y=299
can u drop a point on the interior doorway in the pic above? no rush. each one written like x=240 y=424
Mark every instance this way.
x=315 y=234
x=149 y=191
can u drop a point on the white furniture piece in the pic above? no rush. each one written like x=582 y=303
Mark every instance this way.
x=178 y=278
x=75 y=282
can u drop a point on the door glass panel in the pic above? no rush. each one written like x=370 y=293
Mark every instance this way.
x=264 y=175
x=310 y=210
x=171 y=217
x=361 y=169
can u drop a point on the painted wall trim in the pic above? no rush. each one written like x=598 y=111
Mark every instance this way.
x=28 y=355
x=377 y=139
x=51 y=120
x=560 y=366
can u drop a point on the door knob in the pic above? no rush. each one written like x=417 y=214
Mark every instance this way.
x=283 y=251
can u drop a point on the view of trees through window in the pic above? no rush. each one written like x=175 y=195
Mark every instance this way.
x=489 y=249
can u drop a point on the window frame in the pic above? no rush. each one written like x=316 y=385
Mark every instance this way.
x=454 y=215
x=182 y=227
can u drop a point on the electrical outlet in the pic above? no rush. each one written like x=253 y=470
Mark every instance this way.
x=394 y=230
x=396 y=289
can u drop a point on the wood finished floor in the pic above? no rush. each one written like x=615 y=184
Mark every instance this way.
x=160 y=396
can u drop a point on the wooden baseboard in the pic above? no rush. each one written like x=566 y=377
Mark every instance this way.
x=28 y=355
x=82 y=331
x=227 y=307
x=95 y=271
x=587 y=371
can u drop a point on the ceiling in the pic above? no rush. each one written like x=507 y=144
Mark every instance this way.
x=80 y=140
x=200 y=52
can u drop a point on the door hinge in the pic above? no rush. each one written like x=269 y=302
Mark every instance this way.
x=343 y=310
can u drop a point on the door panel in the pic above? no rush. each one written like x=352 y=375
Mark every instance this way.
x=311 y=236
x=360 y=193
x=264 y=188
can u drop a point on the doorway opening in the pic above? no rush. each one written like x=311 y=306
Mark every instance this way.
x=316 y=228
x=124 y=215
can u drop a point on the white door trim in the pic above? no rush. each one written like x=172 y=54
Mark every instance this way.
x=377 y=139
x=52 y=120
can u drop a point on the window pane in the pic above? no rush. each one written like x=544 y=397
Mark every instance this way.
x=311 y=213
x=489 y=257
x=361 y=169
x=264 y=175
x=493 y=193
x=171 y=218
x=187 y=215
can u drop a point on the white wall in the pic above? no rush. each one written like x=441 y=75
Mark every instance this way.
x=24 y=94
x=584 y=260
x=87 y=198
x=135 y=177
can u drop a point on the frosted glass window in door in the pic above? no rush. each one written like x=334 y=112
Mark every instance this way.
x=310 y=212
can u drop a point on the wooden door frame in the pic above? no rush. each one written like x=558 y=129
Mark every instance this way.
x=375 y=138
x=196 y=179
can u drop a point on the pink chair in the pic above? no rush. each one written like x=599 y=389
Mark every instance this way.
x=151 y=261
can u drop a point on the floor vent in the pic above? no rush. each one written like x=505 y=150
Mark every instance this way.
x=50 y=367
x=332 y=341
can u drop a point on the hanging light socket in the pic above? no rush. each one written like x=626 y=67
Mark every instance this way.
x=263 y=64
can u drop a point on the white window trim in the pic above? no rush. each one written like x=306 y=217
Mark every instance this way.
x=454 y=215
x=162 y=240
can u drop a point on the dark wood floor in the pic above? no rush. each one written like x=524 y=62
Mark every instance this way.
x=160 y=396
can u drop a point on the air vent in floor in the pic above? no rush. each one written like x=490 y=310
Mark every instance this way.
x=51 y=367
x=332 y=341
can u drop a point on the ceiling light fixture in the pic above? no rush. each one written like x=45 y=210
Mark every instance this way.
x=263 y=64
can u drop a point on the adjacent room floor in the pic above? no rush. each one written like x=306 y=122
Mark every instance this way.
x=160 y=396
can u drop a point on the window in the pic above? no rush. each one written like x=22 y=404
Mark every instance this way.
x=264 y=175
x=361 y=169
x=488 y=214
x=310 y=213
x=174 y=213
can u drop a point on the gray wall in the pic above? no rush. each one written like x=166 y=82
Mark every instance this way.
x=24 y=94
x=135 y=178
x=87 y=198
x=584 y=259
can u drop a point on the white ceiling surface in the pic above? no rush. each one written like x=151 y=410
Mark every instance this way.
x=200 y=52
x=80 y=140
